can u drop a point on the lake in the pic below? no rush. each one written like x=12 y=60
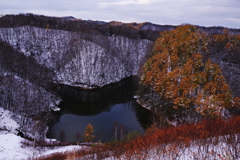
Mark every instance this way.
x=111 y=110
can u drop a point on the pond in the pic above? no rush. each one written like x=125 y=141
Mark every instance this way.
x=111 y=110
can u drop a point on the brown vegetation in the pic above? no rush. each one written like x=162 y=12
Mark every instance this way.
x=179 y=75
x=170 y=143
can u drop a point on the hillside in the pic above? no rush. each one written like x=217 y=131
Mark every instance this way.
x=38 y=51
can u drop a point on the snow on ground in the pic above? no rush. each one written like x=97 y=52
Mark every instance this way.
x=12 y=147
x=6 y=121
x=60 y=150
x=10 y=144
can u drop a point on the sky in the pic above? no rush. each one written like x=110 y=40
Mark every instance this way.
x=224 y=13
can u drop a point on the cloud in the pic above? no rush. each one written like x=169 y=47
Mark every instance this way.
x=205 y=12
x=234 y=19
x=124 y=3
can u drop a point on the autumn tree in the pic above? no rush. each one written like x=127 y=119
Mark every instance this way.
x=178 y=74
x=227 y=46
x=88 y=133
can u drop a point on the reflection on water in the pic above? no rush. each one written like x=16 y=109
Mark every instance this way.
x=73 y=126
x=112 y=112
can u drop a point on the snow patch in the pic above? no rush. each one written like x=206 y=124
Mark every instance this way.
x=12 y=146
x=11 y=149
x=6 y=121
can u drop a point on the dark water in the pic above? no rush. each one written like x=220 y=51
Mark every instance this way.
x=111 y=111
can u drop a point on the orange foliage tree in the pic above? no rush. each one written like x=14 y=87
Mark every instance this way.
x=177 y=73
x=88 y=133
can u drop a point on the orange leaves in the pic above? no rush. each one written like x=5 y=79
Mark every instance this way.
x=181 y=102
x=237 y=102
x=218 y=93
x=197 y=58
x=170 y=140
x=212 y=70
x=220 y=38
x=234 y=43
x=177 y=73
x=88 y=133
x=182 y=40
x=213 y=92
x=210 y=107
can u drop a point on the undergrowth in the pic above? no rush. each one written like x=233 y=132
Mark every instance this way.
x=208 y=139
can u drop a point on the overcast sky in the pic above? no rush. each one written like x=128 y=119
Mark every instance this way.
x=198 y=12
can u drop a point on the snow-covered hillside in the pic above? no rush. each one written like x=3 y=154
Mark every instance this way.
x=77 y=58
x=19 y=95
x=38 y=54
x=93 y=54
x=13 y=147
x=7 y=123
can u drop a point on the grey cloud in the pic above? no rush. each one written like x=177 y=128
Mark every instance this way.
x=205 y=12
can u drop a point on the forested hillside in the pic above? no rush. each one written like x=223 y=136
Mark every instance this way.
x=180 y=75
x=185 y=74
x=38 y=51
